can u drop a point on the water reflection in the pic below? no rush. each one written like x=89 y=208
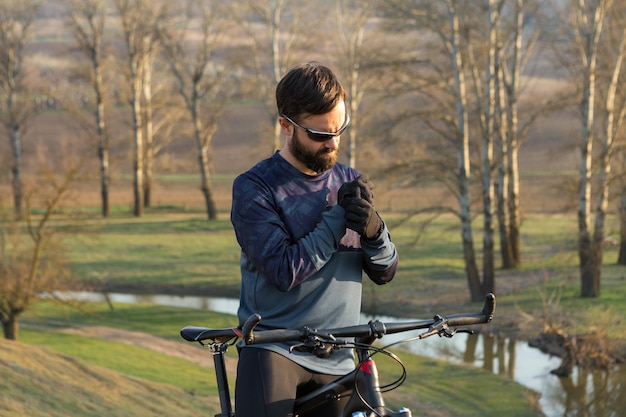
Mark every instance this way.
x=583 y=394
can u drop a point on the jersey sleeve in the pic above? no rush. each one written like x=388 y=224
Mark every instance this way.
x=380 y=258
x=264 y=238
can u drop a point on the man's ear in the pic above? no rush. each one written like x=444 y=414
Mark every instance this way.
x=286 y=126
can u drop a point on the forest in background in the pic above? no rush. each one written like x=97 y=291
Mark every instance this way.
x=484 y=112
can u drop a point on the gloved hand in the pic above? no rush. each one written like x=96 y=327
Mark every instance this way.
x=348 y=190
x=361 y=216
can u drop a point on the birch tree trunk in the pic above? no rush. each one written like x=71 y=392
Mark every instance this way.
x=611 y=126
x=512 y=139
x=351 y=21
x=621 y=259
x=462 y=150
x=148 y=130
x=487 y=154
x=589 y=37
x=203 y=92
x=16 y=20
x=204 y=164
x=103 y=141
x=138 y=25
x=88 y=22
x=274 y=48
x=138 y=168
x=502 y=172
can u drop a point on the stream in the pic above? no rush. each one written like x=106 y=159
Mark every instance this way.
x=585 y=393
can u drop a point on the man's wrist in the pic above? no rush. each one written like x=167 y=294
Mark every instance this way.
x=379 y=232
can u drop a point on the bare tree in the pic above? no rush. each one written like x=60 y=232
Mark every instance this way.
x=621 y=258
x=354 y=57
x=33 y=266
x=150 y=148
x=444 y=98
x=465 y=90
x=279 y=35
x=200 y=82
x=87 y=23
x=522 y=25
x=590 y=28
x=16 y=20
x=138 y=22
x=452 y=38
x=619 y=152
x=484 y=82
x=508 y=78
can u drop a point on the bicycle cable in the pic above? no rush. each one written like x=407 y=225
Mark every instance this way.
x=441 y=329
x=372 y=350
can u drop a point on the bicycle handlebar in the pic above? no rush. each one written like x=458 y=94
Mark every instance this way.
x=372 y=329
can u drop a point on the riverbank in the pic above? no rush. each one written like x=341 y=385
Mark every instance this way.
x=501 y=356
x=183 y=254
x=137 y=339
x=600 y=353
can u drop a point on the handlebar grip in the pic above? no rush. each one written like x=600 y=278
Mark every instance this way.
x=277 y=336
x=490 y=306
x=247 y=331
x=267 y=336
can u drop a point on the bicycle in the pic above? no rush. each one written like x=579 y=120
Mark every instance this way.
x=362 y=384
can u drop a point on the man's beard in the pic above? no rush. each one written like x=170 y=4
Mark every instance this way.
x=319 y=161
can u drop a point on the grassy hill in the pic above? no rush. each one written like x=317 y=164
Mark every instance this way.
x=36 y=381
x=101 y=363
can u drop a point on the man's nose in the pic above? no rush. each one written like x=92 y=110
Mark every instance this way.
x=333 y=143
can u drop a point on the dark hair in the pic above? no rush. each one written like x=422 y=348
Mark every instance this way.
x=309 y=88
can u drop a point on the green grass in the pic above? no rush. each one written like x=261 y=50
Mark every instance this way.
x=450 y=387
x=169 y=252
x=185 y=254
x=158 y=253
x=160 y=321
x=453 y=388
x=127 y=359
x=47 y=324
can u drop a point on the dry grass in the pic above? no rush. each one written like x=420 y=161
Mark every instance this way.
x=38 y=382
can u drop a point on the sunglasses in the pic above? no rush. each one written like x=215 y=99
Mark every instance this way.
x=316 y=135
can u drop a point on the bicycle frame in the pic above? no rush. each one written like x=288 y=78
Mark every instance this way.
x=365 y=377
x=362 y=384
x=363 y=380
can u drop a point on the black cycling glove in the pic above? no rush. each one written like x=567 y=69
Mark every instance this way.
x=348 y=190
x=361 y=216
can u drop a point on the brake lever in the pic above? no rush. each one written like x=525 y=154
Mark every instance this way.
x=326 y=337
x=436 y=328
x=314 y=345
x=313 y=341
x=301 y=347
x=441 y=329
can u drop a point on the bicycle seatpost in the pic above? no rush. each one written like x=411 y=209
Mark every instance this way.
x=222 y=380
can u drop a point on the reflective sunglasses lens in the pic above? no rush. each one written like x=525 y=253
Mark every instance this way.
x=319 y=137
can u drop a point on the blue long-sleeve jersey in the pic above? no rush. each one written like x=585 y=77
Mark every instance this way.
x=300 y=266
